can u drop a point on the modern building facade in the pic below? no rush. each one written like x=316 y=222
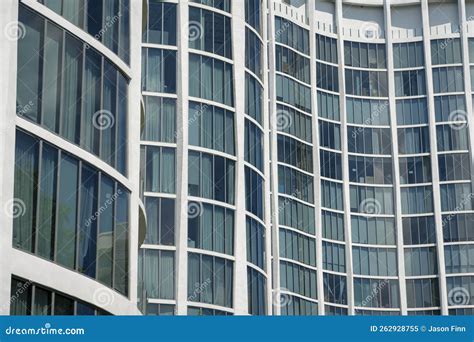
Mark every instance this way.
x=289 y=157
x=337 y=133
x=69 y=130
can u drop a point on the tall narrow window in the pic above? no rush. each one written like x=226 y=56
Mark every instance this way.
x=92 y=112
x=47 y=202
x=88 y=224
x=25 y=195
x=71 y=95
x=52 y=77
x=67 y=211
x=106 y=230
x=30 y=65
x=121 y=237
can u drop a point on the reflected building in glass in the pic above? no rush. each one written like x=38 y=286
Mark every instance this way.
x=287 y=157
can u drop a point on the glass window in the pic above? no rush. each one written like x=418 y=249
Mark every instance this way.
x=159 y=274
x=211 y=127
x=51 y=184
x=29 y=65
x=160 y=169
x=66 y=230
x=214 y=79
x=47 y=202
x=161 y=23
x=335 y=290
x=213 y=177
x=26 y=187
x=77 y=95
x=256 y=292
x=254 y=189
x=210 y=280
x=296 y=215
x=210 y=227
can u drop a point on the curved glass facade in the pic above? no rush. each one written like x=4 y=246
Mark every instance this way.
x=294 y=165
x=71 y=90
x=158 y=170
x=392 y=189
x=296 y=157
x=108 y=21
x=70 y=160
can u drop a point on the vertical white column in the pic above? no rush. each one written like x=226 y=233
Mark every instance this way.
x=434 y=157
x=345 y=160
x=271 y=85
x=267 y=158
x=240 y=241
x=182 y=160
x=134 y=105
x=311 y=5
x=8 y=69
x=396 y=169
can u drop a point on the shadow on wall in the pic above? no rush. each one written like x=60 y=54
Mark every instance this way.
x=295 y=3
